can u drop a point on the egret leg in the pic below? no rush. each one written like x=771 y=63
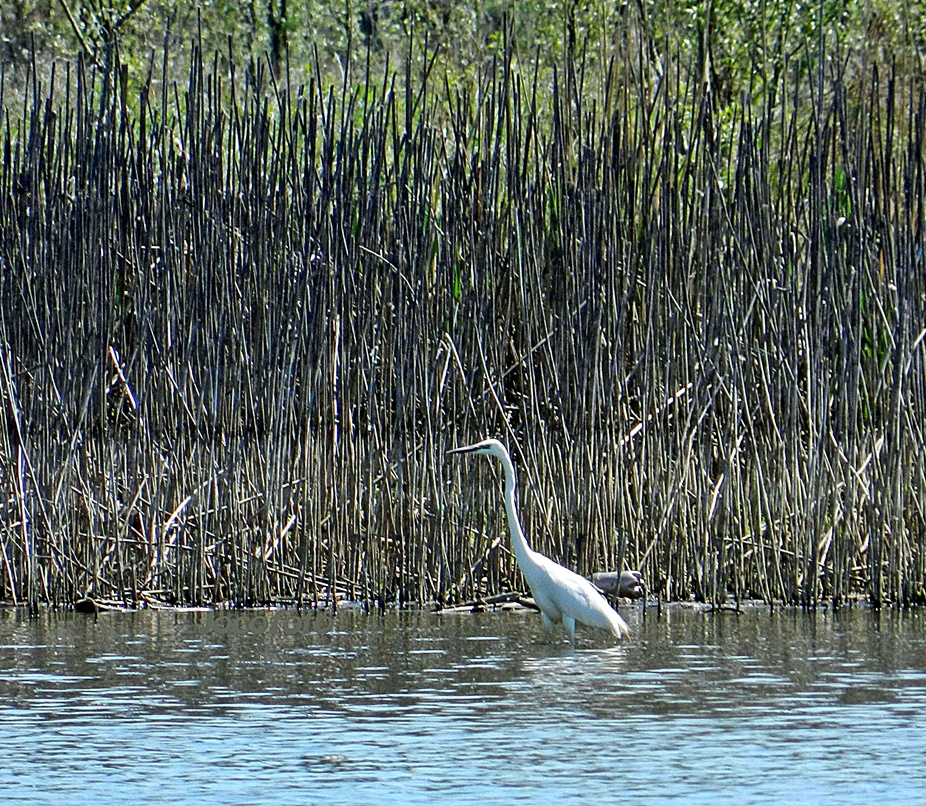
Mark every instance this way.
x=547 y=623
x=570 y=624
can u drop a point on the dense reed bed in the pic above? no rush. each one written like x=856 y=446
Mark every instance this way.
x=241 y=323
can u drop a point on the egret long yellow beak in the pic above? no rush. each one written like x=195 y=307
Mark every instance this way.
x=465 y=449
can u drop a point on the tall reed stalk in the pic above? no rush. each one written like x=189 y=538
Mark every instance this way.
x=241 y=323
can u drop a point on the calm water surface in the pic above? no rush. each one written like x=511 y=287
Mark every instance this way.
x=784 y=708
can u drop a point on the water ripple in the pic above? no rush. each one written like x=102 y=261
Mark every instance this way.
x=415 y=708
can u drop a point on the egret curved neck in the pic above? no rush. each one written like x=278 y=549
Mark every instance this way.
x=518 y=541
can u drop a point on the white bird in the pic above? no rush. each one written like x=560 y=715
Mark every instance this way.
x=562 y=595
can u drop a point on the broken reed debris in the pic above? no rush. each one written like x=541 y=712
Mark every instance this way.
x=240 y=325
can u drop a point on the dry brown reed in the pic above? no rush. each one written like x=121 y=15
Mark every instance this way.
x=240 y=325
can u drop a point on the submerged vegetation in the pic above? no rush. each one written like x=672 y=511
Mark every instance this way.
x=243 y=317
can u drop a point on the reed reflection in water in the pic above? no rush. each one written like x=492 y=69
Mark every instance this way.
x=415 y=707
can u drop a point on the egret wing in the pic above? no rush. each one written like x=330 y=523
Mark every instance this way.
x=574 y=596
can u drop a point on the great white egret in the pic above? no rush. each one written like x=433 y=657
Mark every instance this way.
x=562 y=595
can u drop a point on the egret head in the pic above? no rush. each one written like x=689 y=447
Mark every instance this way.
x=488 y=447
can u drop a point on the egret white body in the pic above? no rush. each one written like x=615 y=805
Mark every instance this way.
x=562 y=595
